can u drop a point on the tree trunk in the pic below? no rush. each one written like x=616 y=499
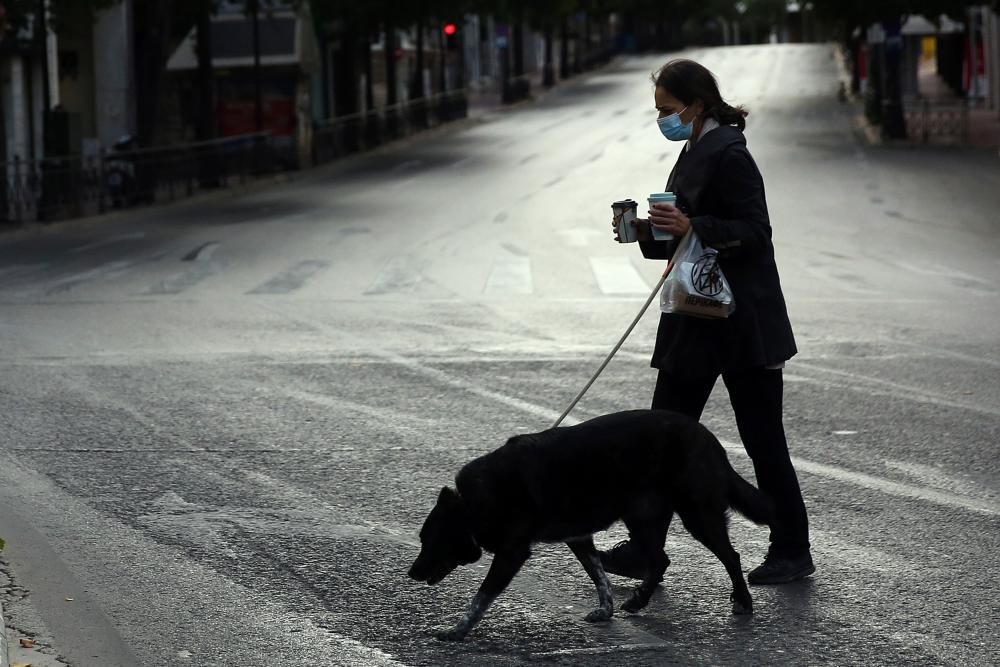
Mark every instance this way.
x=152 y=21
x=205 y=125
x=548 y=71
x=564 y=48
x=258 y=101
x=442 y=61
x=518 y=40
x=417 y=79
x=390 y=62
x=366 y=56
x=208 y=173
x=893 y=122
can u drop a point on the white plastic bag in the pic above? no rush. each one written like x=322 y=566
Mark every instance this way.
x=695 y=285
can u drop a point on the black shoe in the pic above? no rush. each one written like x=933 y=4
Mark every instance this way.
x=625 y=560
x=781 y=570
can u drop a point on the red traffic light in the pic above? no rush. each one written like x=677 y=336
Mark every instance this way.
x=450 y=29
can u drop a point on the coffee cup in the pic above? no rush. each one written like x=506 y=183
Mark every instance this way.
x=623 y=220
x=661 y=198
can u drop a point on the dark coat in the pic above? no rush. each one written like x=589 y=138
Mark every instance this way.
x=720 y=189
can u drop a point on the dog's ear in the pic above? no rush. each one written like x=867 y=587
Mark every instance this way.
x=448 y=496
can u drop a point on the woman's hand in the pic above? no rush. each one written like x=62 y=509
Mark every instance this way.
x=670 y=219
x=641 y=230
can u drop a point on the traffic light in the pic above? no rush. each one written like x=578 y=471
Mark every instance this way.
x=451 y=36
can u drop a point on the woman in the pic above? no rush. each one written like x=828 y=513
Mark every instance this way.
x=720 y=195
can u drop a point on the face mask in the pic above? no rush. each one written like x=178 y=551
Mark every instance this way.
x=672 y=127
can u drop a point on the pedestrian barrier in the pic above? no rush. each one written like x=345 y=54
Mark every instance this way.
x=72 y=186
x=931 y=122
x=344 y=135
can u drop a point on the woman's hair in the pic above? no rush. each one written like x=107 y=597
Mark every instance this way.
x=688 y=81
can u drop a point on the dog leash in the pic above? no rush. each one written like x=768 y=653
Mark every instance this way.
x=618 y=345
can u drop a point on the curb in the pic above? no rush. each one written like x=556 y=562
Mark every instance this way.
x=4 y=649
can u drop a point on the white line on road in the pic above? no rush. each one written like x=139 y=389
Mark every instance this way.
x=864 y=480
x=18 y=268
x=109 y=241
x=888 y=486
x=385 y=417
x=510 y=275
x=833 y=472
x=604 y=650
x=205 y=253
x=70 y=281
x=893 y=389
x=617 y=275
x=409 y=164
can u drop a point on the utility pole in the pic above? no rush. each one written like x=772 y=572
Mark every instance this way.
x=43 y=37
x=258 y=109
x=893 y=121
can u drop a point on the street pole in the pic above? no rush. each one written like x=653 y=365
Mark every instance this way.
x=257 y=95
x=893 y=122
x=548 y=73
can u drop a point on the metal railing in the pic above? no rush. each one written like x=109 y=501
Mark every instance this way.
x=344 y=135
x=932 y=122
x=57 y=188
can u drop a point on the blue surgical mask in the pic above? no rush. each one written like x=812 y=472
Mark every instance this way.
x=672 y=127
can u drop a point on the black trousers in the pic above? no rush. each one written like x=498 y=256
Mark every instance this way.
x=756 y=397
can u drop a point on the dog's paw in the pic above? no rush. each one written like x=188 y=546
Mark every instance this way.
x=742 y=608
x=599 y=615
x=452 y=635
x=634 y=604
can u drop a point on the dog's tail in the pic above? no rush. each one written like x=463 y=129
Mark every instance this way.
x=748 y=500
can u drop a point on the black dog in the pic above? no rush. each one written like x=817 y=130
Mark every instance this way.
x=563 y=485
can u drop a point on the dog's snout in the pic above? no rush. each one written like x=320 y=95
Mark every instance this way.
x=418 y=569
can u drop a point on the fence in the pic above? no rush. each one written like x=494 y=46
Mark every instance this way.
x=930 y=122
x=344 y=135
x=74 y=186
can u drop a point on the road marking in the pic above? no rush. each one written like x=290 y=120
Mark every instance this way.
x=179 y=282
x=202 y=253
x=292 y=279
x=109 y=241
x=887 y=486
x=72 y=281
x=942 y=271
x=399 y=275
x=385 y=417
x=617 y=275
x=936 y=478
x=941 y=352
x=510 y=275
x=409 y=164
x=893 y=389
x=579 y=237
x=20 y=268
x=840 y=474
x=604 y=650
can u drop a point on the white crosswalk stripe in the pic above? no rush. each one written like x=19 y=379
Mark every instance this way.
x=510 y=275
x=617 y=275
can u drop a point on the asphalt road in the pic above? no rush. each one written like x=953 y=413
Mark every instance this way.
x=222 y=422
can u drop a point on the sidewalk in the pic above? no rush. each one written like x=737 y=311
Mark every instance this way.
x=952 y=122
x=4 y=653
x=17 y=650
x=982 y=128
